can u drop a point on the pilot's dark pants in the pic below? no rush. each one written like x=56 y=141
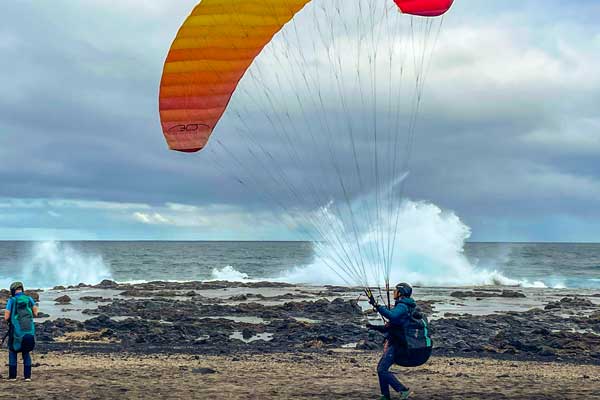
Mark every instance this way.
x=393 y=354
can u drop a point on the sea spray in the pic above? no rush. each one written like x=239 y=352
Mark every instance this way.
x=228 y=273
x=428 y=250
x=50 y=263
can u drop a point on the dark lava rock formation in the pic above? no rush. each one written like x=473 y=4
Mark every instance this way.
x=487 y=293
x=567 y=330
x=63 y=300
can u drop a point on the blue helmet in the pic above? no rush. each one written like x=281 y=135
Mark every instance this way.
x=404 y=289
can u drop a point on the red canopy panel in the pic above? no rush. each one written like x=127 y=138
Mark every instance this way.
x=424 y=8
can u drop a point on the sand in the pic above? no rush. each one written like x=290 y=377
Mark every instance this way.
x=340 y=375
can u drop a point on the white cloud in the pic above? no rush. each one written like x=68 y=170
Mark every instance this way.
x=96 y=205
x=181 y=207
x=581 y=136
x=486 y=72
x=219 y=218
x=152 y=218
x=14 y=203
x=142 y=217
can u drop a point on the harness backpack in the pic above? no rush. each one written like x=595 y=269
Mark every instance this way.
x=21 y=336
x=415 y=344
x=416 y=331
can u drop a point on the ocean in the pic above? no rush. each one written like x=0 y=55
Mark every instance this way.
x=46 y=264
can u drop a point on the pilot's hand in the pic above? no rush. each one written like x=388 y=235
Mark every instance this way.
x=372 y=301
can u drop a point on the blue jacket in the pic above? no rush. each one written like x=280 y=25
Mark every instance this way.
x=400 y=314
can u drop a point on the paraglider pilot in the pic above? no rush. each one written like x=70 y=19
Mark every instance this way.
x=407 y=341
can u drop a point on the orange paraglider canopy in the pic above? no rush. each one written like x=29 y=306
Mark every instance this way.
x=211 y=52
x=213 y=49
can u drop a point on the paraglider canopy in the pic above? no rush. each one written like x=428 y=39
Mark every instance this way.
x=213 y=50
x=322 y=123
x=424 y=8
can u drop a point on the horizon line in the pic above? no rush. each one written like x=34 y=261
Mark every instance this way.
x=262 y=241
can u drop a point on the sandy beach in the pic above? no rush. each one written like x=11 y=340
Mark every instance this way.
x=340 y=375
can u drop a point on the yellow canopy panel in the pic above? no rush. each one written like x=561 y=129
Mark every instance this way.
x=213 y=49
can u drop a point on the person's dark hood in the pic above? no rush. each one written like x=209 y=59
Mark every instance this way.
x=407 y=301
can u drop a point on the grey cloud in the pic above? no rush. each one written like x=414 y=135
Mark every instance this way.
x=507 y=90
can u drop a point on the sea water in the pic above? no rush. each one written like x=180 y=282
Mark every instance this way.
x=46 y=264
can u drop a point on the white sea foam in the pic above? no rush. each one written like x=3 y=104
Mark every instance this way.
x=428 y=251
x=228 y=273
x=51 y=263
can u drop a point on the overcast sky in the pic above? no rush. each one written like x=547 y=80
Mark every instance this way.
x=508 y=136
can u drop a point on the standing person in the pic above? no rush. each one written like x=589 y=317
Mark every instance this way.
x=19 y=314
x=407 y=341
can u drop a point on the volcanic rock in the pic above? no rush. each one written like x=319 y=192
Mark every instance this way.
x=487 y=293
x=95 y=299
x=247 y=333
x=65 y=299
x=107 y=284
x=570 y=303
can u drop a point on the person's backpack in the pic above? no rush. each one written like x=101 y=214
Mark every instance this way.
x=416 y=331
x=21 y=336
x=412 y=340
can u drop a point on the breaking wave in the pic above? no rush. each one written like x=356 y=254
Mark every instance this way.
x=51 y=263
x=429 y=251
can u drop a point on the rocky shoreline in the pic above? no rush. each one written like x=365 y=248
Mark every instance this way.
x=168 y=317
